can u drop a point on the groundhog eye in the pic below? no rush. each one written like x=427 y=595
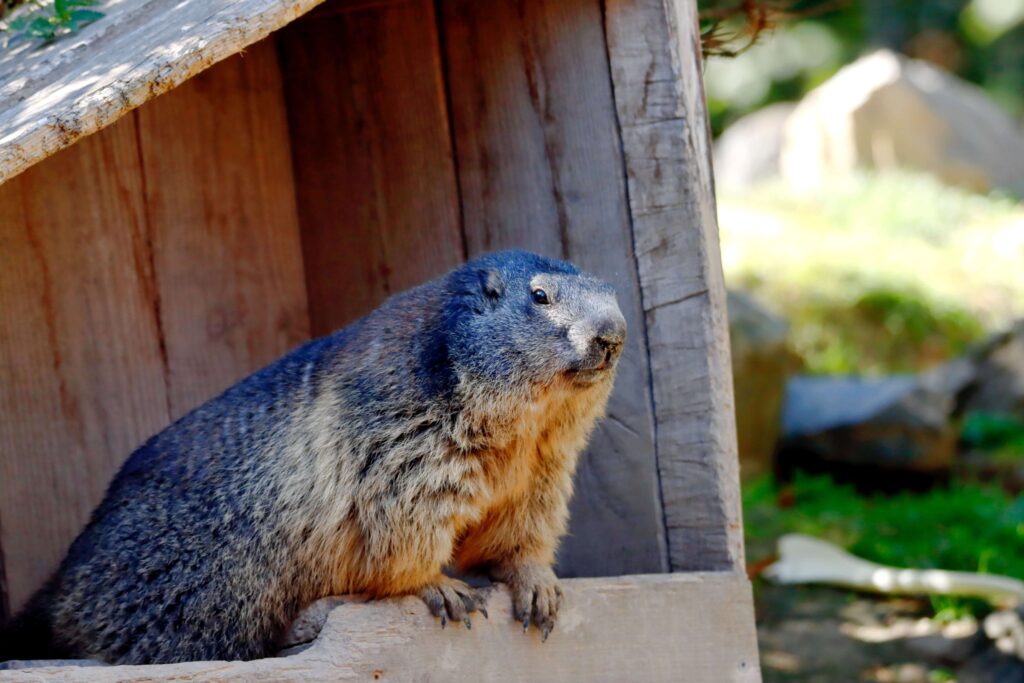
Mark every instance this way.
x=540 y=296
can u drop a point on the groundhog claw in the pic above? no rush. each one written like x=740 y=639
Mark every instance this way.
x=536 y=596
x=452 y=599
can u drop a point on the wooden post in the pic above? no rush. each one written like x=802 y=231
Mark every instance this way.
x=655 y=59
x=540 y=167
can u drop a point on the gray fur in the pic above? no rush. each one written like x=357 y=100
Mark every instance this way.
x=362 y=461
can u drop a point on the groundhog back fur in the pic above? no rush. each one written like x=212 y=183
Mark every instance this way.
x=441 y=429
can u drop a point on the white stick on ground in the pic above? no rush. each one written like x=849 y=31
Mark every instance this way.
x=803 y=559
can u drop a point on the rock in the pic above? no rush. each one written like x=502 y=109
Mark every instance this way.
x=1001 y=658
x=886 y=111
x=748 y=151
x=1006 y=629
x=895 y=423
x=761 y=362
x=999 y=383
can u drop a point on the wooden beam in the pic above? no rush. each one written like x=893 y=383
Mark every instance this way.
x=683 y=627
x=51 y=96
x=655 y=55
x=540 y=167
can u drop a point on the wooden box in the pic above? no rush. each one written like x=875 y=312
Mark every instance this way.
x=156 y=249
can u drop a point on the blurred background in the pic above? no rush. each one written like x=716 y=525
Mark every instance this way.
x=869 y=162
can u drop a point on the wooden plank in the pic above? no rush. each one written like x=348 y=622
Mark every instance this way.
x=540 y=167
x=220 y=204
x=53 y=94
x=5 y=604
x=373 y=161
x=684 y=627
x=79 y=345
x=655 y=54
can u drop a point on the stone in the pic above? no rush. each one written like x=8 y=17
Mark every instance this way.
x=747 y=152
x=1005 y=628
x=889 y=111
x=999 y=383
x=1000 y=659
x=897 y=423
x=761 y=362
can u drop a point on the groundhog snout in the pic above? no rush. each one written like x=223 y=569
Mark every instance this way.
x=610 y=335
x=607 y=336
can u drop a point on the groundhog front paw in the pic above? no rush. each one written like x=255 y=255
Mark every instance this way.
x=536 y=595
x=453 y=599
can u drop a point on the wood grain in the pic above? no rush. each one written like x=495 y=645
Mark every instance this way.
x=684 y=627
x=79 y=345
x=53 y=94
x=373 y=162
x=540 y=168
x=5 y=600
x=223 y=227
x=654 y=49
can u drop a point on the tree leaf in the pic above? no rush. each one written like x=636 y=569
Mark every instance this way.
x=84 y=16
x=19 y=23
x=60 y=7
x=41 y=27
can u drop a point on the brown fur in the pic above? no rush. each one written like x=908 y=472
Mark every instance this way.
x=441 y=430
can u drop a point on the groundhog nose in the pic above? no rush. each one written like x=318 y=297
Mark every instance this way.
x=610 y=333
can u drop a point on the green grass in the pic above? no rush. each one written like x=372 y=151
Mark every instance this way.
x=877 y=273
x=966 y=527
x=1001 y=436
x=899 y=203
x=878 y=330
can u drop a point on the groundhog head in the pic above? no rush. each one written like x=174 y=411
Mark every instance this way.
x=514 y=316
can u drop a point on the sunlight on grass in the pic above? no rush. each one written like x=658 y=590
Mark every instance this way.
x=965 y=527
x=878 y=273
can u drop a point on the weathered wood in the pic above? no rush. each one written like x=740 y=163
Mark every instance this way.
x=540 y=168
x=683 y=627
x=83 y=376
x=5 y=604
x=54 y=94
x=654 y=48
x=223 y=229
x=372 y=153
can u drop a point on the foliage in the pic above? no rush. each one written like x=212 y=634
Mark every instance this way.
x=1001 y=435
x=879 y=331
x=730 y=27
x=979 y=40
x=964 y=527
x=900 y=203
x=878 y=272
x=49 y=21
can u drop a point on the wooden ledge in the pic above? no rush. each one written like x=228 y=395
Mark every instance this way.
x=695 y=627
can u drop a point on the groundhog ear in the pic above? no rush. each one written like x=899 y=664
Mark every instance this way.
x=491 y=284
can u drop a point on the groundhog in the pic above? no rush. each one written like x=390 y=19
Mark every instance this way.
x=441 y=430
